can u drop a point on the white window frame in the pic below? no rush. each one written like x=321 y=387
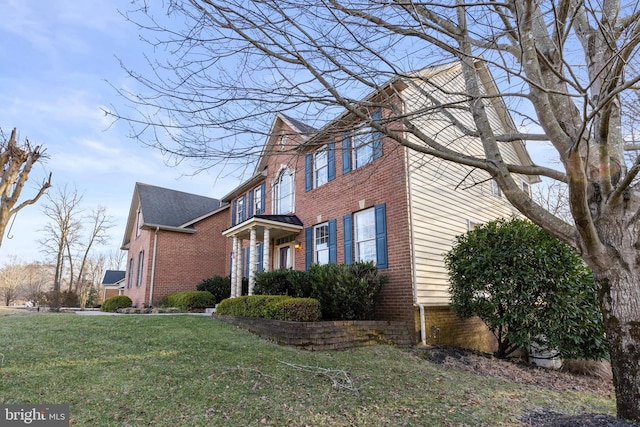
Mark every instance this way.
x=257 y=200
x=526 y=188
x=239 y=209
x=320 y=167
x=283 y=204
x=139 y=222
x=362 y=148
x=364 y=235
x=321 y=243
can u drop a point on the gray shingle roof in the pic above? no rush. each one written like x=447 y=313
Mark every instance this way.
x=162 y=206
x=112 y=276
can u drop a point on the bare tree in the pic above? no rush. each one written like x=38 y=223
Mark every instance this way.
x=11 y=277
x=101 y=223
x=17 y=161
x=566 y=68
x=62 y=232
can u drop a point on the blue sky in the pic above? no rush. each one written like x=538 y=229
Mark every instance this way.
x=57 y=59
x=58 y=62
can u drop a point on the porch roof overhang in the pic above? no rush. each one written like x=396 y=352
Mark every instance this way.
x=278 y=226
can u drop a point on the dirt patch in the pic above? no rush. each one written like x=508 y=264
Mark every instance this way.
x=524 y=373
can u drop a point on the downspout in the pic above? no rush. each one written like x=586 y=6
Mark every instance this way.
x=423 y=330
x=153 y=266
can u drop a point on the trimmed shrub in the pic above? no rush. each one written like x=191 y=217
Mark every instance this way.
x=528 y=287
x=219 y=286
x=290 y=282
x=346 y=292
x=278 y=307
x=191 y=300
x=114 y=303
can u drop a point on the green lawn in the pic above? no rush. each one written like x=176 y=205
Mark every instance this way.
x=181 y=370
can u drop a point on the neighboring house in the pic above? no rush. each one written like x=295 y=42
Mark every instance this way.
x=112 y=283
x=173 y=240
x=345 y=193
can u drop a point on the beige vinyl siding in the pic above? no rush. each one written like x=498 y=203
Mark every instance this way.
x=444 y=196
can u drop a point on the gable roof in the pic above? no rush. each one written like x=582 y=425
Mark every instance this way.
x=167 y=209
x=112 y=277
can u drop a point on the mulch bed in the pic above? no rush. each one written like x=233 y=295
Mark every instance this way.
x=524 y=373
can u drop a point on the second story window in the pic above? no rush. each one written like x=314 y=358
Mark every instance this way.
x=258 y=206
x=362 y=146
x=320 y=168
x=240 y=210
x=283 y=193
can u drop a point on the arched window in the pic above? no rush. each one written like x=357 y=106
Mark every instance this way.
x=283 y=193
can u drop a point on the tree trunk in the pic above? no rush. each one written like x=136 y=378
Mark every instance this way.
x=619 y=281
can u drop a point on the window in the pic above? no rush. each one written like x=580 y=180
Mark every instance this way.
x=526 y=188
x=320 y=168
x=283 y=193
x=365 y=235
x=139 y=222
x=140 y=265
x=321 y=243
x=257 y=200
x=130 y=275
x=495 y=189
x=362 y=146
x=240 y=210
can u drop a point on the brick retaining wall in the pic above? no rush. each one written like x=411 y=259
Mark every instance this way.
x=329 y=335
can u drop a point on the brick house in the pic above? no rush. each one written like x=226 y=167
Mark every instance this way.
x=345 y=193
x=173 y=241
x=112 y=283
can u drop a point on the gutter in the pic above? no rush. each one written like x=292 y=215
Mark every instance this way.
x=423 y=329
x=153 y=266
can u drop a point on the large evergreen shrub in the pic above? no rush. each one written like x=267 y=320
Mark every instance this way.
x=528 y=287
x=219 y=286
x=191 y=300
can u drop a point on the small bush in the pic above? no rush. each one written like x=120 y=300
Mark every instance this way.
x=114 y=303
x=191 y=300
x=346 y=292
x=278 y=307
x=219 y=286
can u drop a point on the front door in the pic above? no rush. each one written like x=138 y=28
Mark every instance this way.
x=284 y=257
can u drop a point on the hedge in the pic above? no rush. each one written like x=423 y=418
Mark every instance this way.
x=277 y=307
x=114 y=303
x=191 y=300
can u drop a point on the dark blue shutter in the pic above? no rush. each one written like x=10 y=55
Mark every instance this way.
x=376 y=116
x=263 y=194
x=346 y=152
x=333 y=242
x=250 y=207
x=308 y=172
x=331 y=162
x=234 y=207
x=308 y=247
x=381 y=236
x=347 y=222
x=260 y=254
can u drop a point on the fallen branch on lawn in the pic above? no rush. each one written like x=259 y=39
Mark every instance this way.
x=339 y=377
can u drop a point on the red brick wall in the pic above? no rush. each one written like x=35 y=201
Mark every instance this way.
x=185 y=260
x=182 y=260
x=381 y=181
x=443 y=326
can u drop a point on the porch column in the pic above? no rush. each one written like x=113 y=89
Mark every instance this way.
x=234 y=260
x=266 y=250
x=239 y=264
x=252 y=259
